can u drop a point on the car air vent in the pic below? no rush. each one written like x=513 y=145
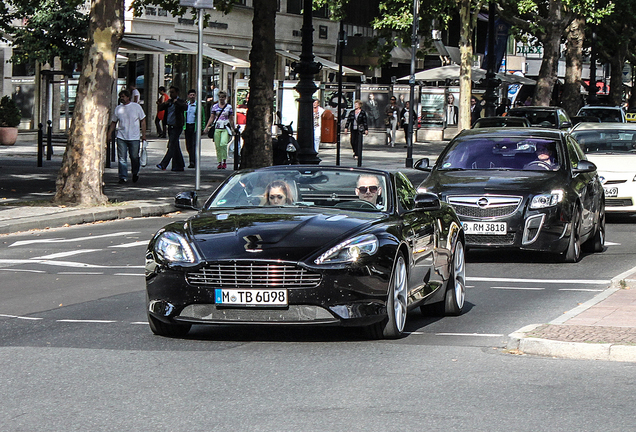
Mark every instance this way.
x=485 y=206
x=612 y=182
x=492 y=240
x=234 y=274
x=618 y=202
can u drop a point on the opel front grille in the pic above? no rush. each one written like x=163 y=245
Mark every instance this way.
x=253 y=275
x=485 y=206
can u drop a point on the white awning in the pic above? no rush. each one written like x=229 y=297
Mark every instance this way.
x=325 y=63
x=146 y=45
x=214 y=54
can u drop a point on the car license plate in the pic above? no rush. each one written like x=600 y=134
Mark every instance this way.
x=492 y=228
x=611 y=192
x=247 y=297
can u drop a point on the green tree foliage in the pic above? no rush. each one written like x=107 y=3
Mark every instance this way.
x=52 y=28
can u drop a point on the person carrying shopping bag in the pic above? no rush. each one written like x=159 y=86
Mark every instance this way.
x=221 y=119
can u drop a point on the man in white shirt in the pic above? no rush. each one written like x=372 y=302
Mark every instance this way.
x=190 y=129
x=129 y=118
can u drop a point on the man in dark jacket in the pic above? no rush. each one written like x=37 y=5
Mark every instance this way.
x=175 y=108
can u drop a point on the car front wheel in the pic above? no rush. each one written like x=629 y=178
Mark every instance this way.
x=393 y=326
x=573 y=252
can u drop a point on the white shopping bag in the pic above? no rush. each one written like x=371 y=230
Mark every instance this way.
x=143 y=153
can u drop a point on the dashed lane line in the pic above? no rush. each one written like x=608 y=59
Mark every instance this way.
x=77 y=239
x=549 y=281
x=66 y=254
x=518 y=288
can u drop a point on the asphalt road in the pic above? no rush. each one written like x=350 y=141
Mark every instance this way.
x=77 y=353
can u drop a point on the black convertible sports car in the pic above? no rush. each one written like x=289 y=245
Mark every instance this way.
x=307 y=245
x=524 y=188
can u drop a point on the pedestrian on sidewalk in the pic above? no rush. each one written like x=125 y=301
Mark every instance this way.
x=191 y=119
x=175 y=108
x=391 y=113
x=129 y=118
x=405 y=118
x=135 y=96
x=221 y=123
x=318 y=111
x=357 y=122
x=160 y=119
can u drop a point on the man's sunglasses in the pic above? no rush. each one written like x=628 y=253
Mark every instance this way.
x=280 y=197
x=372 y=189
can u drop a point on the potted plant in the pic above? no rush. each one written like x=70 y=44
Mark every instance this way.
x=10 y=116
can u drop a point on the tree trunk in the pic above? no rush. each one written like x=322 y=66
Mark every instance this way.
x=616 y=77
x=79 y=181
x=257 y=136
x=572 y=100
x=549 y=66
x=465 y=67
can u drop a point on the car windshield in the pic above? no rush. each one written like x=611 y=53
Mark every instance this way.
x=606 y=115
x=500 y=122
x=607 y=141
x=502 y=153
x=304 y=187
x=537 y=118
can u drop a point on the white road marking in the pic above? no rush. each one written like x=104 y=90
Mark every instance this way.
x=22 y=270
x=581 y=289
x=518 y=288
x=611 y=244
x=554 y=281
x=63 y=240
x=139 y=323
x=133 y=244
x=470 y=334
x=66 y=254
x=86 y=321
x=130 y=274
x=80 y=273
x=64 y=264
x=21 y=317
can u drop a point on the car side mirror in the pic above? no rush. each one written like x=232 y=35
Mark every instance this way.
x=422 y=164
x=427 y=201
x=584 y=166
x=566 y=125
x=186 y=200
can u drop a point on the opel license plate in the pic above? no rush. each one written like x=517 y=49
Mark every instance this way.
x=247 y=297
x=611 y=192
x=492 y=228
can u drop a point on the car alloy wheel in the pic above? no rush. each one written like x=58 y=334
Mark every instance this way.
x=393 y=326
x=456 y=292
x=573 y=252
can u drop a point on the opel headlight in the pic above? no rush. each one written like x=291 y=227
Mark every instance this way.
x=546 y=200
x=174 y=248
x=350 y=250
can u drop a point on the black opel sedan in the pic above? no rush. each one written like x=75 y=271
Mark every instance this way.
x=305 y=245
x=524 y=188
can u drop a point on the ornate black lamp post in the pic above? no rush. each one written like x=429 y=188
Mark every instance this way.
x=306 y=68
x=491 y=81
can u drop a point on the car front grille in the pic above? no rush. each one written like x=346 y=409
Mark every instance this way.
x=485 y=206
x=619 y=202
x=490 y=240
x=234 y=274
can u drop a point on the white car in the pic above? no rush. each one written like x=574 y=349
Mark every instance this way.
x=612 y=148
x=607 y=114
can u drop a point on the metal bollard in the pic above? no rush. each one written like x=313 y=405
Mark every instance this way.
x=49 y=143
x=40 y=144
x=237 y=148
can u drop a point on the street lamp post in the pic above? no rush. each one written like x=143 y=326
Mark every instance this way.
x=412 y=105
x=199 y=5
x=491 y=81
x=306 y=68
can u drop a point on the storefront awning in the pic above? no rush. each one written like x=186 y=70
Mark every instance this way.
x=214 y=54
x=145 y=45
x=325 y=63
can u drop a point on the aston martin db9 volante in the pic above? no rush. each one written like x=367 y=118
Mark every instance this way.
x=307 y=245
x=523 y=188
x=612 y=148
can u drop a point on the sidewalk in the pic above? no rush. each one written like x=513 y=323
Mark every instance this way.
x=603 y=328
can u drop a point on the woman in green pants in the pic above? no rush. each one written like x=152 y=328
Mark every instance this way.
x=221 y=119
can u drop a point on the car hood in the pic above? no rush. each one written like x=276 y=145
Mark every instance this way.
x=277 y=233
x=493 y=182
x=613 y=162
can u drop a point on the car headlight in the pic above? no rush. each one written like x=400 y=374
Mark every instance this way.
x=546 y=200
x=174 y=248
x=350 y=250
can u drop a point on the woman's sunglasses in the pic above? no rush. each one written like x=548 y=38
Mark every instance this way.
x=372 y=189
